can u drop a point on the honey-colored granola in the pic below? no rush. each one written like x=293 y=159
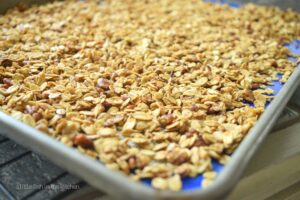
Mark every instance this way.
x=153 y=88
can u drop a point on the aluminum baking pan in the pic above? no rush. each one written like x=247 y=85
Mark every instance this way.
x=120 y=186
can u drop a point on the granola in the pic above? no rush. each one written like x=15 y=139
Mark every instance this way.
x=153 y=88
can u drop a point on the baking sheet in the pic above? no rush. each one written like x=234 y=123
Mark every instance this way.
x=191 y=183
x=102 y=178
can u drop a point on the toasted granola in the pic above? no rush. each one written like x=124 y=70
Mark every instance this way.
x=153 y=88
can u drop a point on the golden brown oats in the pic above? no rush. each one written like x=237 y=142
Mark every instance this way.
x=142 y=116
x=156 y=88
x=160 y=183
x=174 y=183
x=107 y=132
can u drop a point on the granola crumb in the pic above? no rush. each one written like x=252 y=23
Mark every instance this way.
x=151 y=91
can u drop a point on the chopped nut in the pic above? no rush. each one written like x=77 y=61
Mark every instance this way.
x=83 y=141
x=200 y=142
x=177 y=156
x=166 y=119
x=37 y=116
x=103 y=83
x=255 y=86
x=30 y=109
x=6 y=63
x=33 y=111
x=7 y=83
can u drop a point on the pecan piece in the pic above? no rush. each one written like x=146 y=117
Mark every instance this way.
x=83 y=141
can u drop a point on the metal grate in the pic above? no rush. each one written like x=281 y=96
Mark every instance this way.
x=26 y=175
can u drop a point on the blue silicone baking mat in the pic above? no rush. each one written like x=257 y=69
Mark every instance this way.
x=190 y=183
